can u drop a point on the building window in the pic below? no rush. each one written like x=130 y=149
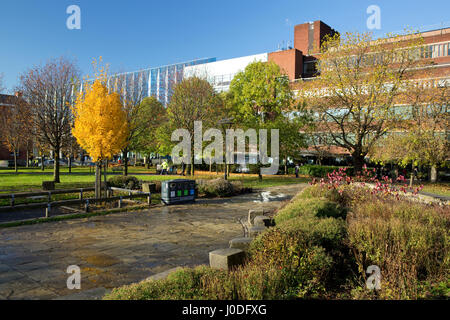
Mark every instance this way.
x=309 y=67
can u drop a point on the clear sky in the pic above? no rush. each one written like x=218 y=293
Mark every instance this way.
x=136 y=34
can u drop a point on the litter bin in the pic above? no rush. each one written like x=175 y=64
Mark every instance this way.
x=177 y=191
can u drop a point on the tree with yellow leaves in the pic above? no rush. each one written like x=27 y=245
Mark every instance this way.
x=100 y=125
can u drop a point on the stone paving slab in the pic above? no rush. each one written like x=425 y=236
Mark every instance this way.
x=121 y=248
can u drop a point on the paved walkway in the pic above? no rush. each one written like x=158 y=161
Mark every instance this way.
x=121 y=248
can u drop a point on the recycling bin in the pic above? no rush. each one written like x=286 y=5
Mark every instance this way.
x=177 y=191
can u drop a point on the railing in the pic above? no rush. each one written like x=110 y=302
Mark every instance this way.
x=49 y=205
x=14 y=196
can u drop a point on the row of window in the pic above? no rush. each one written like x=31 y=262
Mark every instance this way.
x=425 y=52
x=435 y=50
x=401 y=111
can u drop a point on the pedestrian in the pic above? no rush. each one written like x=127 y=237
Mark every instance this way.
x=297 y=168
x=416 y=173
x=183 y=168
x=164 y=167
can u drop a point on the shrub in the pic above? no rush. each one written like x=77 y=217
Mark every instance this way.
x=313 y=252
x=220 y=188
x=317 y=191
x=318 y=171
x=304 y=267
x=48 y=185
x=206 y=283
x=408 y=241
x=308 y=244
x=312 y=207
x=126 y=182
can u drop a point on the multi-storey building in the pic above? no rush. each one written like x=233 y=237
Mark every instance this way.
x=157 y=82
x=9 y=101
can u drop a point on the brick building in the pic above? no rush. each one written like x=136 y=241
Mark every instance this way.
x=8 y=101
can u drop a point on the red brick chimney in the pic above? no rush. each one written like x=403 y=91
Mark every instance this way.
x=308 y=36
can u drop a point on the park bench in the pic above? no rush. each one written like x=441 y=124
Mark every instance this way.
x=117 y=169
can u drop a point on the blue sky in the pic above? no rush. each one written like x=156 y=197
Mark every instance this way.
x=136 y=34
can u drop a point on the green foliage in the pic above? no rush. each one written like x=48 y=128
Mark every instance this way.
x=205 y=283
x=221 y=188
x=416 y=147
x=317 y=191
x=146 y=121
x=310 y=207
x=260 y=89
x=126 y=182
x=314 y=170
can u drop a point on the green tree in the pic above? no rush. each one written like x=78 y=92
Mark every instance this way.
x=291 y=135
x=150 y=116
x=261 y=97
x=194 y=99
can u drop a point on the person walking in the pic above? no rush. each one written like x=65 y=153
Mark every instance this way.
x=183 y=168
x=164 y=167
x=297 y=169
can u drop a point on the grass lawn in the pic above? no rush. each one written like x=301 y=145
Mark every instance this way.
x=442 y=189
x=81 y=178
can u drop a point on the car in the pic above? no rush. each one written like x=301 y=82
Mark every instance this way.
x=51 y=162
x=242 y=169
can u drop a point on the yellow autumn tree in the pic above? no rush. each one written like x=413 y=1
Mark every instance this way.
x=100 y=125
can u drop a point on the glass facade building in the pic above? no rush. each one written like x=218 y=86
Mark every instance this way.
x=158 y=82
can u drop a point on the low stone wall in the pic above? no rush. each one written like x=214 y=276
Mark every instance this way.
x=229 y=258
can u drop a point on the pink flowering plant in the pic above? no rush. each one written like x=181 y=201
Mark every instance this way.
x=366 y=181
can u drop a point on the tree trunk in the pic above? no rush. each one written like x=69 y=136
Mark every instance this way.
x=358 y=162
x=259 y=171
x=15 y=160
x=285 y=166
x=433 y=174
x=28 y=157
x=42 y=163
x=192 y=164
x=125 y=162
x=97 y=180
x=69 y=162
x=105 y=178
x=56 y=166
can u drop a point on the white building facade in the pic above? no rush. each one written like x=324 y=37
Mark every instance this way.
x=220 y=73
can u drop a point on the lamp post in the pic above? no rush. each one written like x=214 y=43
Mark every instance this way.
x=226 y=123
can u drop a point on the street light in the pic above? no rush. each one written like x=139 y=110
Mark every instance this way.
x=226 y=123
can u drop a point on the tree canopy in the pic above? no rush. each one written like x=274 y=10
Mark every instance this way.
x=100 y=125
x=360 y=84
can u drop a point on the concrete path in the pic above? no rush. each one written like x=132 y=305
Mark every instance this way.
x=121 y=248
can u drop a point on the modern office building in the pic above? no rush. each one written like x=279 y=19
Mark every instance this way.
x=157 y=82
x=220 y=73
